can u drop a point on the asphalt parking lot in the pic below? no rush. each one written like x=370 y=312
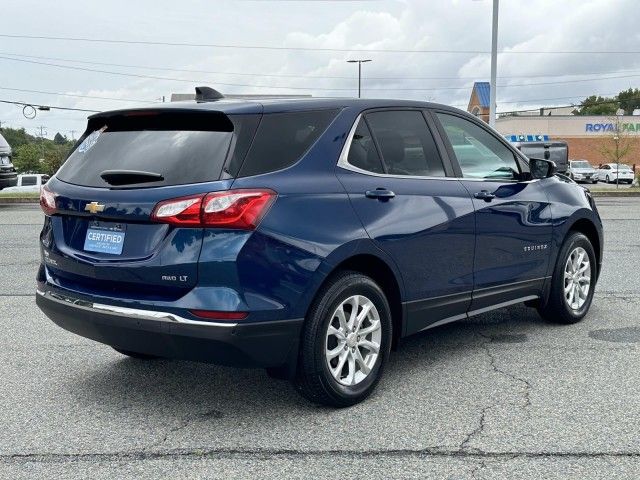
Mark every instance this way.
x=501 y=396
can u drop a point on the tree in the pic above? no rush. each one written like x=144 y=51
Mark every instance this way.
x=60 y=139
x=629 y=100
x=26 y=158
x=597 y=105
x=617 y=145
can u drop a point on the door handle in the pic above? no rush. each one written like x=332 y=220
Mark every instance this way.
x=380 y=194
x=484 y=195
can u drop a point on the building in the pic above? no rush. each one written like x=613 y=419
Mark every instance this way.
x=585 y=135
x=479 y=101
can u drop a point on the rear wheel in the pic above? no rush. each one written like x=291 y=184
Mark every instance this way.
x=607 y=179
x=573 y=281
x=346 y=341
x=136 y=355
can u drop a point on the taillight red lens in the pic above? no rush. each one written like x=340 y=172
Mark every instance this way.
x=184 y=211
x=216 y=315
x=47 y=201
x=237 y=209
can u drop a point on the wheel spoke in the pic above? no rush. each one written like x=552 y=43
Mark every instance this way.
x=338 y=370
x=355 y=303
x=331 y=354
x=373 y=327
x=362 y=315
x=338 y=333
x=351 y=376
x=568 y=287
x=341 y=318
x=371 y=346
x=363 y=366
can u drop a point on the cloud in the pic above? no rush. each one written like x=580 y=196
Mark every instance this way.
x=535 y=25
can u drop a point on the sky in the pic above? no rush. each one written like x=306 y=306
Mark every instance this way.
x=423 y=50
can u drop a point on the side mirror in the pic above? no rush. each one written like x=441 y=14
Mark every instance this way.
x=542 y=168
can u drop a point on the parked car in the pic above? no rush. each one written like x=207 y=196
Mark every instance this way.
x=304 y=236
x=29 y=182
x=615 y=172
x=8 y=175
x=555 y=150
x=582 y=171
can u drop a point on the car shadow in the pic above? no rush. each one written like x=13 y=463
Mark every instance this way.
x=164 y=390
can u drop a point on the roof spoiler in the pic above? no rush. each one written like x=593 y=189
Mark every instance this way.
x=207 y=94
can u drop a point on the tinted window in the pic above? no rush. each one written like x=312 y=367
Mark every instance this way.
x=282 y=139
x=183 y=147
x=29 y=180
x=362 y=152
x=479 y=153
x=406 y=143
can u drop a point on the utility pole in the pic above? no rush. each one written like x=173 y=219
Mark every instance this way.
x=359 y=62
x=73 y=135
x=42 y=132
x=494 y=65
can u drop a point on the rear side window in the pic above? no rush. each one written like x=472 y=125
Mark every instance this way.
x=29 y=180
x=407 y=146
x=362 y=152
x=283 y=138
x=182 y=147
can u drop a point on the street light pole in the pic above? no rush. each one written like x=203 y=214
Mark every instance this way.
x=359 y=62
x=494 y=65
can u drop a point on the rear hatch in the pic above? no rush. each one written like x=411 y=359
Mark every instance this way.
x=100 y=238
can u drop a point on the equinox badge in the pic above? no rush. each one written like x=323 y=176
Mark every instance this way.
x=94 y=207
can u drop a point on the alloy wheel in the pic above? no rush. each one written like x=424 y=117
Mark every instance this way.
x=577 y=278
x=353 y=339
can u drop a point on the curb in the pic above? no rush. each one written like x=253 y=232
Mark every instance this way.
x=14 y=201
x=614 y=193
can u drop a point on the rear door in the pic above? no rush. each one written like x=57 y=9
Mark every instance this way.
x=414 y=210
x=101 y=239
x=513 y=215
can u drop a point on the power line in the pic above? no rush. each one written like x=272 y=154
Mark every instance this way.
x=307 y=88
x=311 y=49
x=35 y=105
x=290 y=75
x=58 y=94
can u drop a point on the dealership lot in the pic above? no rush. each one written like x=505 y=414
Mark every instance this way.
x=503 y=394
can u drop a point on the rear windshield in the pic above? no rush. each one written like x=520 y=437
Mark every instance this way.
x=183 y=148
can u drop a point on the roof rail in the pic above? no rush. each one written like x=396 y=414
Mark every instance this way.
x=207 y=94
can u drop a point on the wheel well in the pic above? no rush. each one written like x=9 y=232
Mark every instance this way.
x=381 y=273
x=587 y=228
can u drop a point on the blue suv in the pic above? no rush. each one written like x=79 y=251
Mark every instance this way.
x=304 y=236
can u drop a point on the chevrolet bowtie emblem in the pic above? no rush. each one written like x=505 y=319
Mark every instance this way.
x=94 y=207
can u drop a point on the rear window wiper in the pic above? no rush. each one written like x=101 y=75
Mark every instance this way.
x=129 y=177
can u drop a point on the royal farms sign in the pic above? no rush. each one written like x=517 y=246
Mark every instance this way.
x=611 y=127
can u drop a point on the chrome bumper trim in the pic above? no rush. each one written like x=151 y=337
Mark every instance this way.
x=129 y=312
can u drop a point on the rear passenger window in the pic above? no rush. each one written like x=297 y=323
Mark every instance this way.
x=283 y=138
x=406 y=143
x=362 y=152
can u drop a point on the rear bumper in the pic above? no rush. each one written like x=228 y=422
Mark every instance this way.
x=256 y=344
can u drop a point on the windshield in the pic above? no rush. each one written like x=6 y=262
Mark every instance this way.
x=581 y=164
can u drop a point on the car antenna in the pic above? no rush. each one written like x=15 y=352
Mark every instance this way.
x=207 y=94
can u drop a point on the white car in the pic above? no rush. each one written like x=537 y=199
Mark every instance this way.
x=582 y=171
x=28 y=182
x=615 y=172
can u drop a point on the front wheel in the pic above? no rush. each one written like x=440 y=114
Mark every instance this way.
x=346 y=341
x=572 y=282
x=607 y=179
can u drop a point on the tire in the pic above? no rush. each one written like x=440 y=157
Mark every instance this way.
x=594 y=181
x=557 y=308
x=607 y=179
x=136 y=355
x=314 y=379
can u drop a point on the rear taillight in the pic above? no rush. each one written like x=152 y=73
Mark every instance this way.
x=237 y=209
x=47 y=201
